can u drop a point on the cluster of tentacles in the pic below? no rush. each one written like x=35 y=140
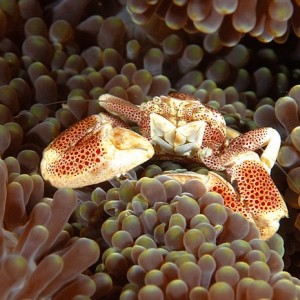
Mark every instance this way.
x=152 y=233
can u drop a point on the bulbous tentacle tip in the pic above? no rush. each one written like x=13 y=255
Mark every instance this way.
x=231 y=197
x=259 y=195
x=99 y=153
x=215 y=183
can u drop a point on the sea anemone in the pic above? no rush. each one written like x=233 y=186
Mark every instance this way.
x=230 y=21
x=56 y=59
x=37 y=254
x=180 y=241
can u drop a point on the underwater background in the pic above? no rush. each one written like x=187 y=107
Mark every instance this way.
x=144 y=237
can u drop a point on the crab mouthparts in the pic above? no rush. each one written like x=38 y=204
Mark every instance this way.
x=176 y=139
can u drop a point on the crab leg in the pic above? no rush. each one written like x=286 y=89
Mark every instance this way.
x=93 y=150
x=254 y=140
x=120 y=108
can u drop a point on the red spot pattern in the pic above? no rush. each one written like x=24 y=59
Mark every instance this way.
x=213 y=138
x=231 y=198
x=72 y=135
x=122 y=107
x=252 y=140
x=182 y=96
x=80 y=150
x=256 y=188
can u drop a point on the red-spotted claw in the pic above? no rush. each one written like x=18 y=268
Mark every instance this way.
x=258 y=200
x=91 y=151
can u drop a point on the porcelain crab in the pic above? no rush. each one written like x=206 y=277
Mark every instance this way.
x=175 y=126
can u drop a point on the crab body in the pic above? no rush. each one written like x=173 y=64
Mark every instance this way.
x=174 y=126
x=103 y=146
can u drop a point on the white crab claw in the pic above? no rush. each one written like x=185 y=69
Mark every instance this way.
x=96 y=154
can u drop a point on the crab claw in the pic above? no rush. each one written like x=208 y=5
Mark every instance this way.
x=92 y=151
x=216 y=183
x=258 y=199
x=259 y=195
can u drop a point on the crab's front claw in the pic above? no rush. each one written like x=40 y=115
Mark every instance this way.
x=96 y=153
x=258 y=199
x=259 y=195
x=215 y=183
